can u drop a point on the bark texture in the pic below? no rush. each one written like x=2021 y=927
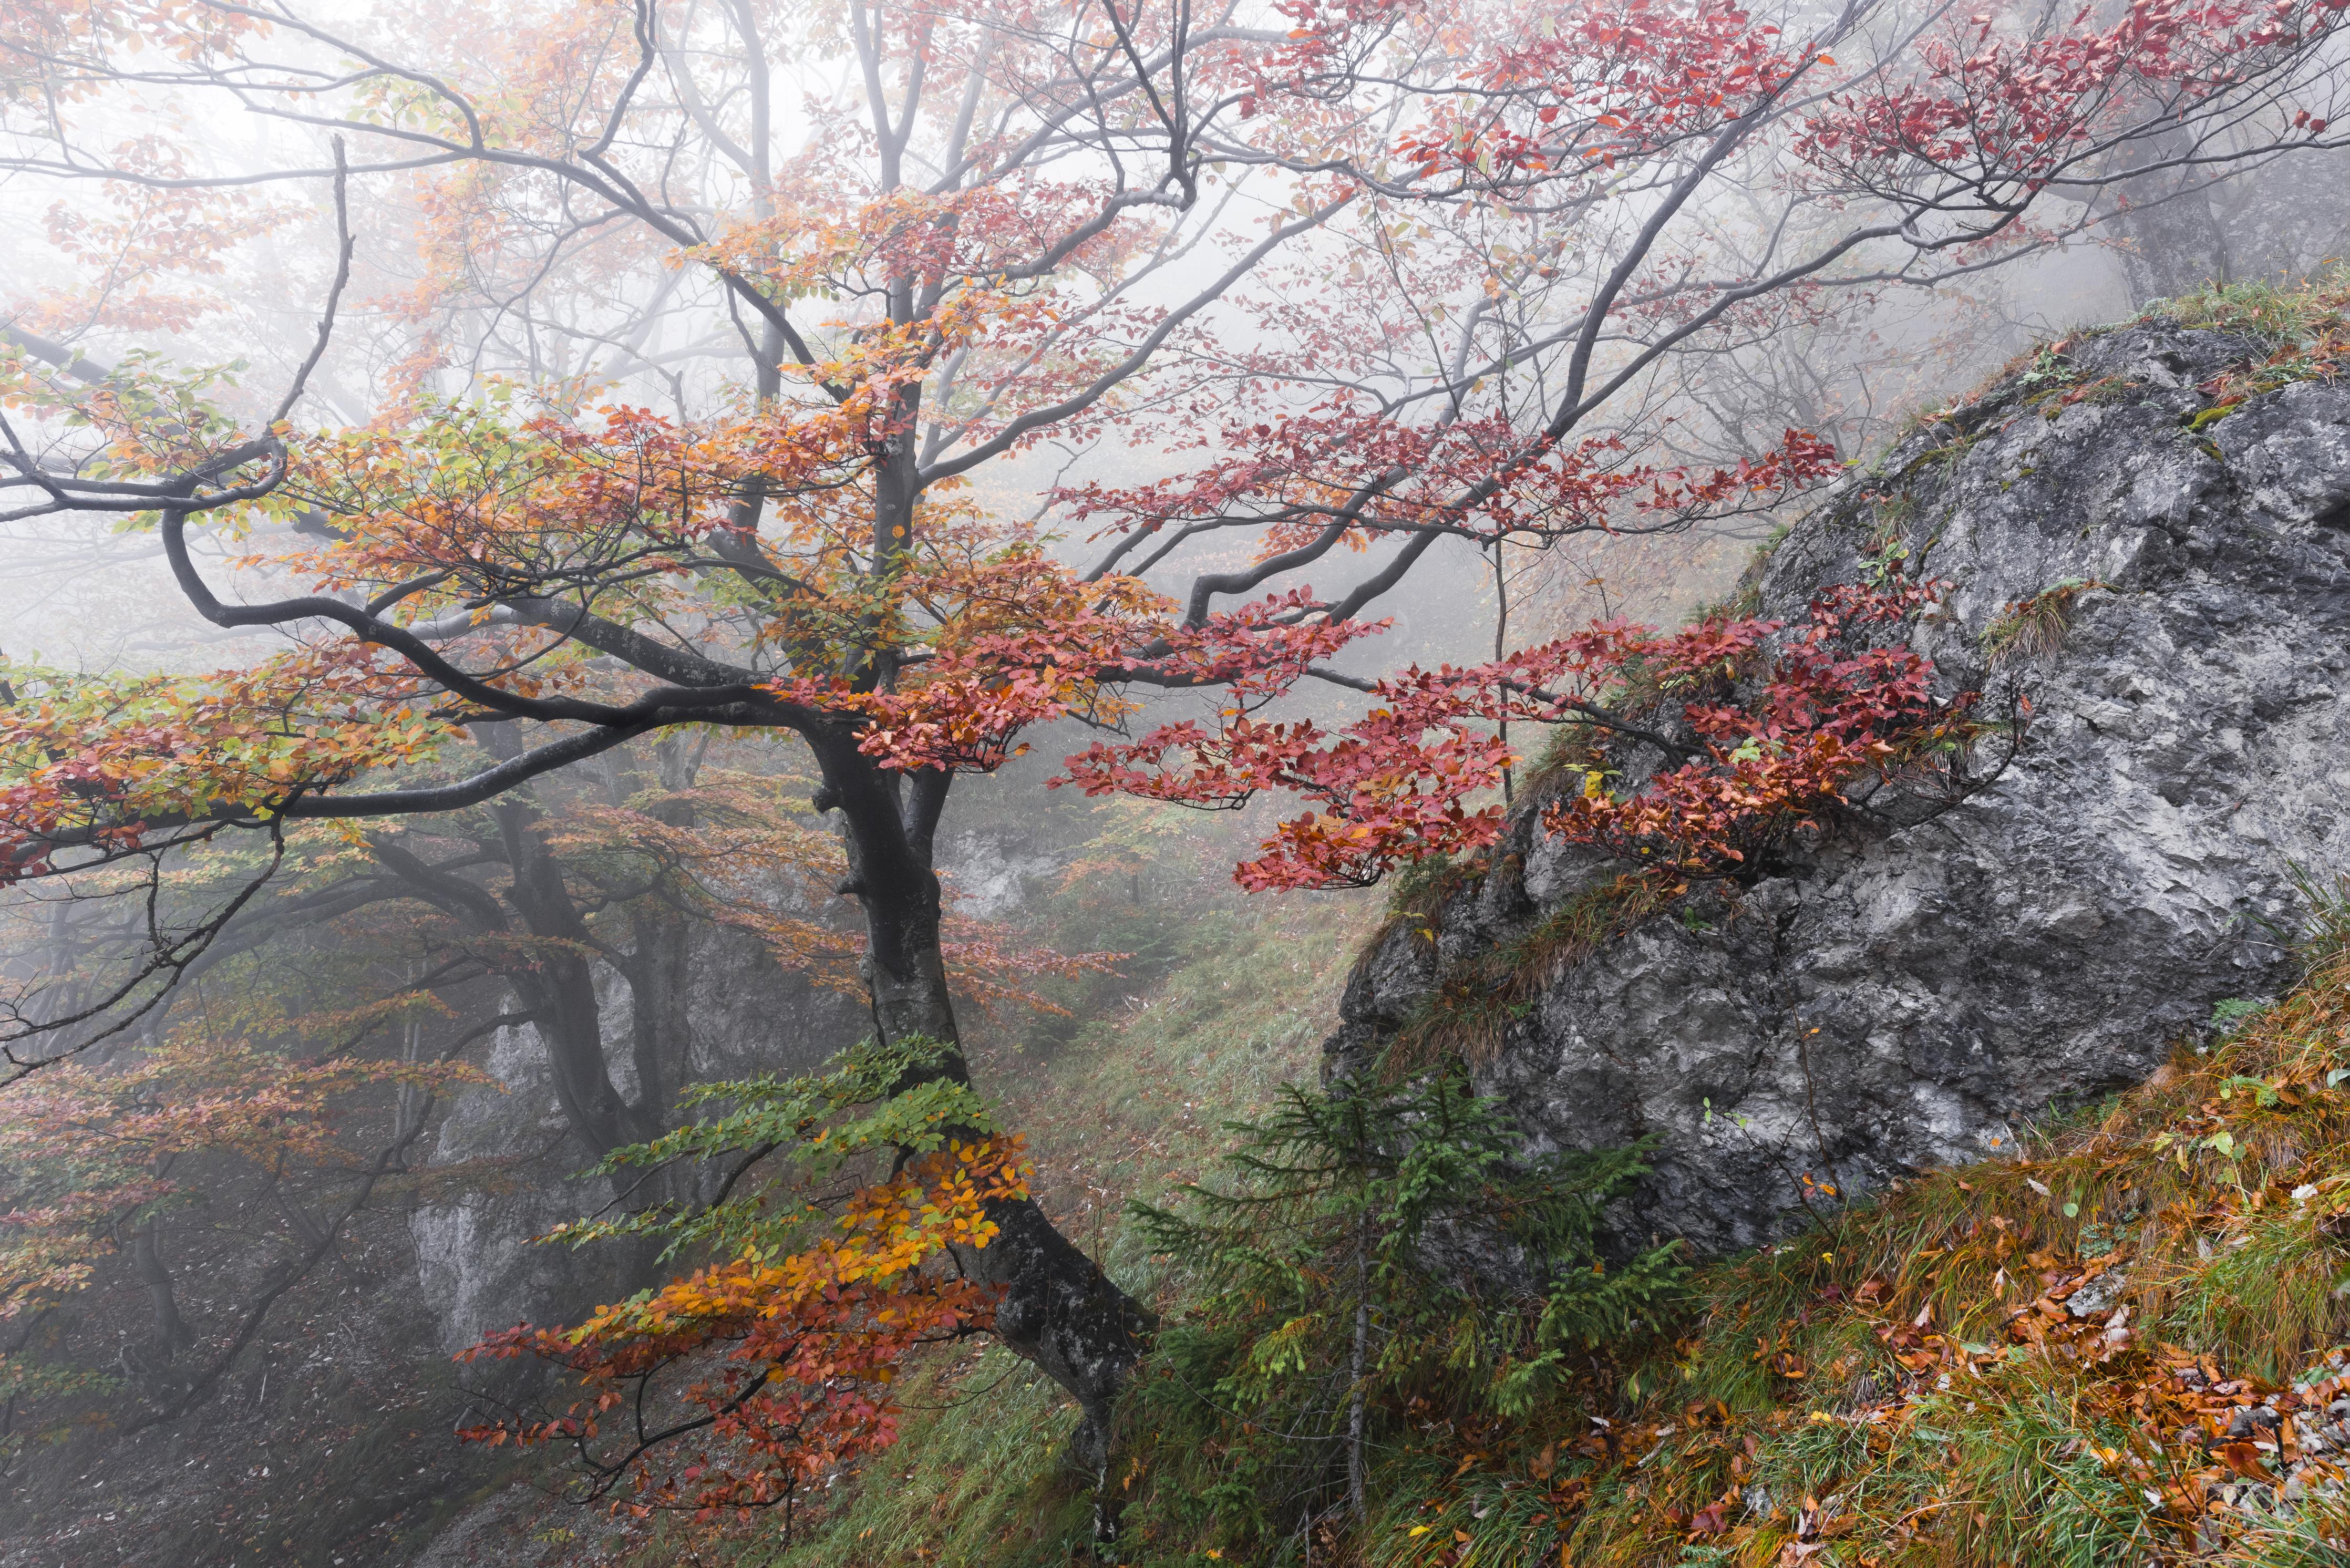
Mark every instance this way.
x=1058 y=1309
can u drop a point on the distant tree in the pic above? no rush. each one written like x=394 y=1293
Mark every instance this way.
x=1369 y=276
x=280 y=1090
x=233 y=1148
x=2280 y=220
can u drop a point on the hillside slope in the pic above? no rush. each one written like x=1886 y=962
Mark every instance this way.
x=2125 y=1342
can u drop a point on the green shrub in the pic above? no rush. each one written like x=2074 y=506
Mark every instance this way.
x=1375 y=1262
x=2034 y=627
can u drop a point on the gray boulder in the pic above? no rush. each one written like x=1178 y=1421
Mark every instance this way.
x=1902 y=996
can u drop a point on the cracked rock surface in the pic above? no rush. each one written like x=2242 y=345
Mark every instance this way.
x=1903 y=996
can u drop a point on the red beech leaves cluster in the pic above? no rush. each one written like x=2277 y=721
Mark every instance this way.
x=1403 y=781
x=1833 y=709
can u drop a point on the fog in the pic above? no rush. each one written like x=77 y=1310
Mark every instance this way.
x=682 y=238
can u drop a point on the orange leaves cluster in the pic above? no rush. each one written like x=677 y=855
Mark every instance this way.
x=785 y=1362
x=1018 y=640
x=937 y=239
x=91 y=761
x=1059 y=651
x=519 y=500
x=885 y=1232
x=939 y=1200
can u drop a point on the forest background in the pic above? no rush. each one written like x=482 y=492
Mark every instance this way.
x=941 y=370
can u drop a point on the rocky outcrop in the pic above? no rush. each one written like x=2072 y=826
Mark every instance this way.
x=521 y=1160
x=1897 y=997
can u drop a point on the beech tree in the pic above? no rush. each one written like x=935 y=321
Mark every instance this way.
x=265 y=1158
x=1365 y=276
x=238 y=1138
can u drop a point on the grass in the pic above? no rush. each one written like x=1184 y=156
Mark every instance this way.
x=2302 y=325
x=1128 y=1102
x=977 y=1478
x=2034 y=627
x=1907 y=1386
x=1470 y=1011
x=2281 y=314
x=1913 y=1387
x=1134 y=1103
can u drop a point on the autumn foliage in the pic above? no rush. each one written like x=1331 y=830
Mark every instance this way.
x=1833 y=714
x=972 y=319
x=91 y=1156
x=774 y=1363
x=672 y=418
x=786 y=1365
x=1753 y=757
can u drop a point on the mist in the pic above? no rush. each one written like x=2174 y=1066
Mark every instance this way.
x=873 y=537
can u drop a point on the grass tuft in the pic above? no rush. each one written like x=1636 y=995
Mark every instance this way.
x=1469 y=1011
x=2034 y=627
x=2281 y=313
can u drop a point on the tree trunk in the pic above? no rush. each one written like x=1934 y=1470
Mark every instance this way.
x=1058 y=1309
x=1354 y=1367
x=555 y=986
x=171 y=1333
x=559 y=989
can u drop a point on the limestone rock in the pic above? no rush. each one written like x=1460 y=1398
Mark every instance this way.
x=1904 y=996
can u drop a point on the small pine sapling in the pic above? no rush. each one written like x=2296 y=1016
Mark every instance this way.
x=1373 y=1258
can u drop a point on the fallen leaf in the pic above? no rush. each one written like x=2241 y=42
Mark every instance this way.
x=2243 y=1458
